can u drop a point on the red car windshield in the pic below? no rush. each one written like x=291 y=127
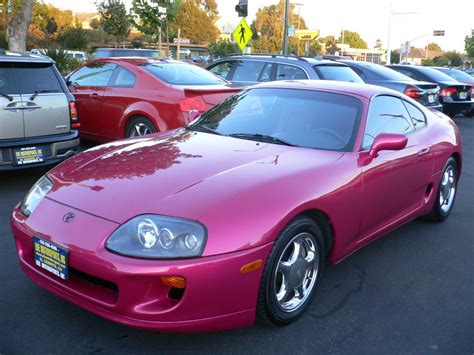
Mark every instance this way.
x=182 y=74
x=303 y=118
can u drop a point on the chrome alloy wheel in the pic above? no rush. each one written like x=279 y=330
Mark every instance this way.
x=296 y=272
x=140 y=129
x=447 y=189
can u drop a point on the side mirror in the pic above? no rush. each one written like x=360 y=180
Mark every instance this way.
x=192 y=115
x=388 y=141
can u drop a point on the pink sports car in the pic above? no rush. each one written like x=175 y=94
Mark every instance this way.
x=234 y=216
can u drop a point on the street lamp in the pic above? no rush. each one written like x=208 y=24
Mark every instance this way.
x=390 y=15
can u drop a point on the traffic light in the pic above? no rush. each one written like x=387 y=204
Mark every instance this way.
x=241 y=8
x=438 y=33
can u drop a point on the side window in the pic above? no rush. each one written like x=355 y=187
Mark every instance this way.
x=417 y=117
x=266 y=74
x=124 y=78
x=406 y=72
x=8 y=84
x=248 y=71
x=386 y=115
x=290 y=72
x=360 y=73
x=96 y=74
x=222 y=69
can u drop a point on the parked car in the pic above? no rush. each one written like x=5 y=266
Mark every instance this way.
x=424 y=92
x=82 y=56
x=203 y=228
x=462 y=77
x=251 y=69
x=454 y=96
x=127 y=97
x=38 y=116
x=123 y=52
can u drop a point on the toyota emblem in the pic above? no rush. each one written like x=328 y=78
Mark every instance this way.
x=68 y=217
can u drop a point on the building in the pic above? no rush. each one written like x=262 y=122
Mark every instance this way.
x=375 y=55
x=417 y=55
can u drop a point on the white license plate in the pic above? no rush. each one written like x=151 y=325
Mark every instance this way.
x=431 y=99
x=463 y=95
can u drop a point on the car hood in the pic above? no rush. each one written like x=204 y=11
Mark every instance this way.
x=178 y=173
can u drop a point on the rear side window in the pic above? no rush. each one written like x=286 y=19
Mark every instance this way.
x=407 y=73
x=386 y=115
x=7 y=80
x=222 y=69
x=248 y=71
x=124 y=78
x=182 y=74
x=417 y=117
x=337 y=72
x=290 y=72
x=37 y=77
x=95 y=74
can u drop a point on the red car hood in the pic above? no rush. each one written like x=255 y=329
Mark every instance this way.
x=178 y=173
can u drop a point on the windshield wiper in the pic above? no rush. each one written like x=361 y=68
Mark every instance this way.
x=32 y=97
x=202 y=128
x=262 y=138
x=10 y=98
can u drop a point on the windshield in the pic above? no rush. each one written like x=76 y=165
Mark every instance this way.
x=457 y=74
x=304 y=118
x=337 y=72
x=182 y=74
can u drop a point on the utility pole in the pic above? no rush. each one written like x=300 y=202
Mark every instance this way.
x=179 y=43
x=390 y=15
x=298 y=27
x=285 y=29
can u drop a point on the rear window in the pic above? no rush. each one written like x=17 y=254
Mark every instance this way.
x=103 y=53
x=182 y=74
x=337 y=72
x=384 y=73
x=8 y=84
x=457 y=74
x=434 y=74
x=37 y=77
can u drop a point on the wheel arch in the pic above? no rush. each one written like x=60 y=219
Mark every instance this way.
x=143 y=110
x=457 y=157
x=323 y=220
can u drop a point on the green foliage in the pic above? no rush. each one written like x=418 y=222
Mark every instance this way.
x=148 y=17
x=395 y=56
x=3 y=40
x=74 y=38
x=64 y=63
x=451 y=59
x=94 y=24
x=433 y=47
x=315 y=49
x=114 y=18
x=378 y=44
x=469 y=46
x=330 y=44
x=223 y=48
x=137 y=43
x=353 y=39
x=195 y=19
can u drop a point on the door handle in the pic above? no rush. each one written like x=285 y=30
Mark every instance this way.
x=424 y=151
x=94 y=96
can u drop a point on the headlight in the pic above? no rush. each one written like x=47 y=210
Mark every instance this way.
x=158 y=237
x=35 y=195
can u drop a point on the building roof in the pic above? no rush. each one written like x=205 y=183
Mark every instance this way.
x=421 y=53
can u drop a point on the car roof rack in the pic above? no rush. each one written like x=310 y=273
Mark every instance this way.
x=273 y=55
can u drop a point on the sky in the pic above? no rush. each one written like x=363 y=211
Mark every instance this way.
x=368 y=17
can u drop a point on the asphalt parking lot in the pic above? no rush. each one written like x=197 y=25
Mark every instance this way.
x=410 y=292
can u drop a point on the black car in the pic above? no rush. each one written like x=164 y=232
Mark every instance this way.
x=424 y=92
x=454 y=96
x=256 y=68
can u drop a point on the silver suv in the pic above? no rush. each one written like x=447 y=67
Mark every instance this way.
x=38 y=116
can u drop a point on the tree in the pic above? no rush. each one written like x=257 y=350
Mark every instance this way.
x=378 y=44
x=223 y=48
x=114 y=18
x=395 y=56
x=433 y=47
x=330 y=44
x=94 y=24
x=196 y=20
x=469 y=46
x=315 y=49
x=151 y=16
x=74 y=38
x=353 y=39
x=452 y=59
x=21 y=14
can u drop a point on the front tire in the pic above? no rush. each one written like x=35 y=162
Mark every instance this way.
x=446 y=193
x=139 y=126
x=292 y=272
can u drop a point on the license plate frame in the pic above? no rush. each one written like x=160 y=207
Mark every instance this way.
x=463 y=95
x=51 y=257
x=28 y=155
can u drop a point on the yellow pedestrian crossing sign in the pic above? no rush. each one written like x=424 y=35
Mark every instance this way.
x=242 y=34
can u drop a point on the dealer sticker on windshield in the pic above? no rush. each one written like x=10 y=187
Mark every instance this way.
x=51 y=257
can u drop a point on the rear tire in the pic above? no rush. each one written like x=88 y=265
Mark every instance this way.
x=139 y=126
x=446 y=193
x=292 y=273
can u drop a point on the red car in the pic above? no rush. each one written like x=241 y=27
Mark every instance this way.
x=205 y=227
x=127 y=97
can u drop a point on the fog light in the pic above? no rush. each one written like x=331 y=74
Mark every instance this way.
x=173 y=281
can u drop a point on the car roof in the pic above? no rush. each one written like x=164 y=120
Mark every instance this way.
x=139 y=60
x=364 y=90
x=289 y=59
x=23 y=57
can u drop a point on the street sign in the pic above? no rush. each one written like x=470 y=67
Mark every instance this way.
x=307 y=35
x=438 y=33
x=405 y=48
x=242 y=34
x=291 y=31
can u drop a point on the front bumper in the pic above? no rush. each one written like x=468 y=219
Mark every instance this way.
x=129 y=291
x=56 y=148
